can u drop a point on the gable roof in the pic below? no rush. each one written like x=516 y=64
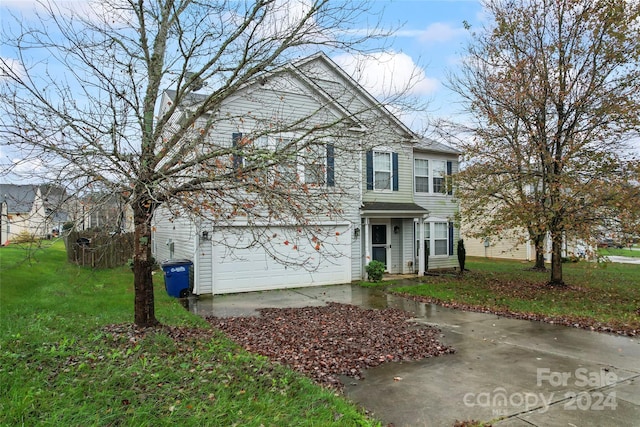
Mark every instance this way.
x=295 y=67
x=19 y=198
x=355 y=88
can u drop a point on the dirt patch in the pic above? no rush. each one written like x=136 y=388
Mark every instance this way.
x=333 y=340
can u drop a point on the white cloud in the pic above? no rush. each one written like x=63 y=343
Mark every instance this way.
x=10 y=67
x=439 y=32
x=388 y=74
x=114 y=11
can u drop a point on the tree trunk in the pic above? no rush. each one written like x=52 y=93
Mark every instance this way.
x=540 y=260
x=556 y=260
x=539 y=248
x=144 y=305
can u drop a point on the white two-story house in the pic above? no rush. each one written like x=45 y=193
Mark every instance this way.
x=391 y=189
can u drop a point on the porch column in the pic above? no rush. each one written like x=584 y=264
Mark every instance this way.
x=367 y=242
x=420 y=234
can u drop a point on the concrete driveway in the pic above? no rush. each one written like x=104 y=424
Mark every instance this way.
x=623 y=259
x=505 y=371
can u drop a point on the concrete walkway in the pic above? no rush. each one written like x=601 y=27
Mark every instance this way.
x=505 y=371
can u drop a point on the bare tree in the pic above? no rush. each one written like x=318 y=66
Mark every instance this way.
x=552 y=86
x=91 y=109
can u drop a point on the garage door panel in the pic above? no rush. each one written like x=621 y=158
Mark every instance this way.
x=300 y=264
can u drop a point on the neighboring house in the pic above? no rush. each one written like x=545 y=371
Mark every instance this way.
x=514 y=244
x=108 y=212
x=40 y=211
x=398 y=210
x=25 y=212
x=57 y=208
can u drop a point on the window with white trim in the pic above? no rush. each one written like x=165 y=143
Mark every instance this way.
x=314 y=165
x=283 y=159
x=421 y=174
x=440 y=238
x=287 y=168
x=382 y=170
x=436 y=236
x=439 y=173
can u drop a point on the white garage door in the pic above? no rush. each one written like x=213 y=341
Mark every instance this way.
x=290 y=259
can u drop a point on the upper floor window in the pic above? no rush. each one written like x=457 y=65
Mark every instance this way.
x=432 y=176
x=421 y=172
x=439 y=168
x=283 y=159
x=314 y=161
x=382 y=171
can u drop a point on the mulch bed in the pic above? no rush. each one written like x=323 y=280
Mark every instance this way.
x=333 y=340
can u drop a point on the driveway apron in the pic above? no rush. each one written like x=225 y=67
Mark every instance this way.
x=505 y=371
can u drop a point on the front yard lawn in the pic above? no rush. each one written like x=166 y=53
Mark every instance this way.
x=598 y=296
x=70 y=356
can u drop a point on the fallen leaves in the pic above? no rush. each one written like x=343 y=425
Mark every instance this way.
x=336 y=339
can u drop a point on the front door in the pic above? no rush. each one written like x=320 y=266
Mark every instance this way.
x=379 y=243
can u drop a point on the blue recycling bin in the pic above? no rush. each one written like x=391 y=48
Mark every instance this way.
x=176 y=277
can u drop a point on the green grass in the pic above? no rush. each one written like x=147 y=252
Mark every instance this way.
x=598 y=294
x=377 y=285
x=59 y=365
x=634 y=253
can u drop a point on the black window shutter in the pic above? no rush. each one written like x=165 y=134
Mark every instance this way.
x=331 y=177
x=451 y=238
x=449 y=182
x=394 y=161
x=369 y=170
x=236 y=137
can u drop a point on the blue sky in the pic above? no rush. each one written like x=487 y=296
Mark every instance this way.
x=432 y=36
x=429 y=36
x=429 y=40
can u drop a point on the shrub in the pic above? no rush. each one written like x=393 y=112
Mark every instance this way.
x=24 y=237
x=375 y=270
x=462 y=255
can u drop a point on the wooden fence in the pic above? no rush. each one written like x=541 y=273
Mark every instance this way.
x=99 y=250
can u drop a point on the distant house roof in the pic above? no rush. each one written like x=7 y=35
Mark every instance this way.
x=431 y=145
x=189 y=99
x=19 y=198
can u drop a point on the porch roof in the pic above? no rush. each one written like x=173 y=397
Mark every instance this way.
x=395 y=210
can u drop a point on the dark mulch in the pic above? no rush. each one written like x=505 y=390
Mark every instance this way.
x=336 y=339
